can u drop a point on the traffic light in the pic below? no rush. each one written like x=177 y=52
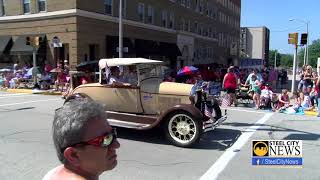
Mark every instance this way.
x=293 y=38
x=304 y=39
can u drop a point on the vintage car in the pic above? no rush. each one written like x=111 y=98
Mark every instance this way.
x=151 y=103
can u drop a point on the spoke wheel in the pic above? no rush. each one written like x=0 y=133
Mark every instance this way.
x=182 y=129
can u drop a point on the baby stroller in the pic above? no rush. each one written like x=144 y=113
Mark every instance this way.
x=242 y=95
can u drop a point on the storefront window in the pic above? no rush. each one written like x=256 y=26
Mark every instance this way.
x=42 y=5
x=26 y=6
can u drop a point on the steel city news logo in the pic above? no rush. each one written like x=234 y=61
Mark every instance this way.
x=277 y=153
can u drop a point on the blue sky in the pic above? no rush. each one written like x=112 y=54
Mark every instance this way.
x=275 y=15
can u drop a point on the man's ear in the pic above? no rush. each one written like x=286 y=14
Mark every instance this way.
x=72 y=155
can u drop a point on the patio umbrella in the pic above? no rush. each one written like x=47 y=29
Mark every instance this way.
x=6 y=70
x=91 y=66
x=56 y=70
x=187 y=70
x=33 y=71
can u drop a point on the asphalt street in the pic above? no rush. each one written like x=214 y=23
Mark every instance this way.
x=27 y=151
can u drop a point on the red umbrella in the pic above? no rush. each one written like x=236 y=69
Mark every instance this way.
x=56 y=70
x=187 y=70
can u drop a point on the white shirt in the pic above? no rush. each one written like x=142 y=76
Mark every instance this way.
x=266 y=93
x=115 y=79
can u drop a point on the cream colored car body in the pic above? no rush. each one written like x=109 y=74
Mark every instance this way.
x=142 y=106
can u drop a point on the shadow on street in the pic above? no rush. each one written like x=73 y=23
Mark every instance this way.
x=219 y=139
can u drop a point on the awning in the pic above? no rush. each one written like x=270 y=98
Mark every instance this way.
x=169 y=49
x=20 y=48
x=113 y=43
x=5 y=44
x=146 y=48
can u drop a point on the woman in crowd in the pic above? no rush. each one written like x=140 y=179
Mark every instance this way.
x=284 y=100
x=229 y=83
x=255 y=90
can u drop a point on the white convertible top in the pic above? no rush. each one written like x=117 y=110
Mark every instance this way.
x=126 y=62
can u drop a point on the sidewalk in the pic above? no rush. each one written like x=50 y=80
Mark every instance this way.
x=31 y=91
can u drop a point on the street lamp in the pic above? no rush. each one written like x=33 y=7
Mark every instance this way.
x=306 y=50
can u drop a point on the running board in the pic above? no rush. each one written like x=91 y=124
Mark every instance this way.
x=130 y=125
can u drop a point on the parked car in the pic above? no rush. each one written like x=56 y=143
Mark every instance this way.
x=153 y=103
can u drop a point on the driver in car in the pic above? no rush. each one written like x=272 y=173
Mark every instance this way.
x=198 y=84
x=116 y=78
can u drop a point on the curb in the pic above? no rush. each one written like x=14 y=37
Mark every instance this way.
x=30 y=91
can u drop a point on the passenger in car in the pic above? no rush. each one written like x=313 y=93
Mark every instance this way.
x=115 y=78
x=130 y=75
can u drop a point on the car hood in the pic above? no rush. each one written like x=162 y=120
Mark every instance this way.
x=175 y=88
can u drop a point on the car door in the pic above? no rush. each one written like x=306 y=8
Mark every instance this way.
x=125 y=99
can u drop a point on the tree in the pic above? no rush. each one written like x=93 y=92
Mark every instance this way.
x=272 y=54
x=286 y=60
x=314 y=53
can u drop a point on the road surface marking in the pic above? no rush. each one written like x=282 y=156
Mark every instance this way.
x=245 y=110
x=227 y=156
x=28 y=102
x=24 y=95
x=15 y=94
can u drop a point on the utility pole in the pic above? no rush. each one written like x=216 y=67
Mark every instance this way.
x=305 y=56
x=307 y=46
x=293 y=84
x=34 y=58
x=275 y=60
x=120 y=30
x=293 y=39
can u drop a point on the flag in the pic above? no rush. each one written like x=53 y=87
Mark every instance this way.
x=208 y=111
x=225 y=101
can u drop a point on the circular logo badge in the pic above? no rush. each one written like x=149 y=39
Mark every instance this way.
x=260 y=148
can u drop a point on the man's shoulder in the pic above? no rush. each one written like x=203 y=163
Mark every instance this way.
x=50 y=174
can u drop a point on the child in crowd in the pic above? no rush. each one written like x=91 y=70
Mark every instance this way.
x=266 y=96
x=274 y=101
x=298 y=100
x=284 y=101
x=305 y=102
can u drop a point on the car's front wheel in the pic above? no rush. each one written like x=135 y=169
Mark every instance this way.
x=182 y=129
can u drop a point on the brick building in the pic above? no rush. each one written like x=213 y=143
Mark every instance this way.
x=181 y=32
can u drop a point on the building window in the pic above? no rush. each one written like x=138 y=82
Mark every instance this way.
x=141 y=12
x=124 y=8
x=186 y=25
x=195 y=27
x=183 y=2
x=26 y=6
x=2 y=8
x=93 y=52
x=164 y=17
x=171 y=21
x=201 y=6
x=108 y=7
x=150 y=16
x=188 y=3
x=42 y=5
x=182 y=24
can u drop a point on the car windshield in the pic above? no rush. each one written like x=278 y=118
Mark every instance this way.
x=151 y=70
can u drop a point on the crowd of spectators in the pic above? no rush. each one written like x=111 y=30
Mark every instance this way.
x=44 y=78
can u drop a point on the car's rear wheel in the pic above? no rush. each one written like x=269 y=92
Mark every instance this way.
x=182 y=129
